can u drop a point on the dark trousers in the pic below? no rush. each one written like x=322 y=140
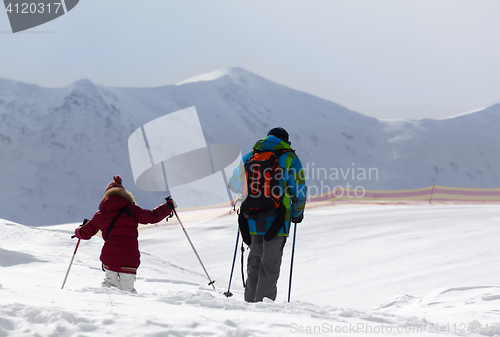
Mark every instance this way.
x=263 y=268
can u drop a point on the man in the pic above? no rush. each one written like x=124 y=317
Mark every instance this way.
x=267 y=210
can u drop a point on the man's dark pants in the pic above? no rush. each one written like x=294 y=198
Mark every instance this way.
x=264 y=262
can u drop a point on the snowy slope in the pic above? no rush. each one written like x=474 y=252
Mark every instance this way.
x=60 y=147
x=358 y=269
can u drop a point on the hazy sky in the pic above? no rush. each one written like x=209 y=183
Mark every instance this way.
x=383 y=58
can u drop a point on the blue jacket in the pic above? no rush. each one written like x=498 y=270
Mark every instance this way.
x=293 y=182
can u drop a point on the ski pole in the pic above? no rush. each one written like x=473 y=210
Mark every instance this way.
x=74 y=253
x=211 y=283
x=291 y=265
x=242 y=263
x=228 y=293
x=69 y=267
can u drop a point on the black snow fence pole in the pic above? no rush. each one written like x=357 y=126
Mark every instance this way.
x=228 y=293
x=291 y=264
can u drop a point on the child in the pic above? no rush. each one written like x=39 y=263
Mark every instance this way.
x=118 y=218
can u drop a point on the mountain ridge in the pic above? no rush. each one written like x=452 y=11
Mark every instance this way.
x=231 y=72
x=61 y=146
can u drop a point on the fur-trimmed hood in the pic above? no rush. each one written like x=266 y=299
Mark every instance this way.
x=116 y=198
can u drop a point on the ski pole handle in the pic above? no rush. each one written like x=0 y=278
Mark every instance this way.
x=83 y=224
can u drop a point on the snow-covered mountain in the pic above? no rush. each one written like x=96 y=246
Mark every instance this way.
x=60 y=147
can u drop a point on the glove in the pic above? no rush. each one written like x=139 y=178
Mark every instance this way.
x=298 y=219
x=77 y=229
x=171 y=203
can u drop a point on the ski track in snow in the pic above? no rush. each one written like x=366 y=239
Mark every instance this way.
x=357 y=269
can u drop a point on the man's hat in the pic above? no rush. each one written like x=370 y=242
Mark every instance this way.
x=279 y=133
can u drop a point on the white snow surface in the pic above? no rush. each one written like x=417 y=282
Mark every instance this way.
x=208 y=76
x=359 y=270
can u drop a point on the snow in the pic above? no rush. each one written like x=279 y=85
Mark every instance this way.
x=465 y=113
x=359 y=269
x=207 y=77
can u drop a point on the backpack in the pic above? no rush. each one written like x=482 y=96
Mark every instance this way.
x=262 y=192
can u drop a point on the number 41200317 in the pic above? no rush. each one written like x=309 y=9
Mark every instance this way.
x=27 y=8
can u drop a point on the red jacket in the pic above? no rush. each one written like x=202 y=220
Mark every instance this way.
x=120 y=252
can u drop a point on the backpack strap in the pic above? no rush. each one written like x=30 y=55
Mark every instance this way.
x=123 y=209
x=277 y=152
x=244 y=229
x=278 y=223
